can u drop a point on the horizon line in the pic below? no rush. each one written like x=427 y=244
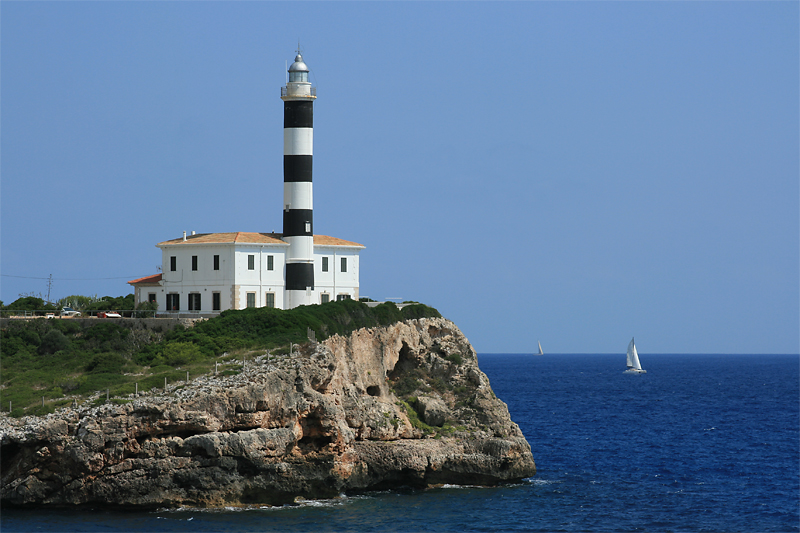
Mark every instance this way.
x=640 y=353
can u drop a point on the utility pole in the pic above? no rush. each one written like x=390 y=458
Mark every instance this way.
x=49 y=286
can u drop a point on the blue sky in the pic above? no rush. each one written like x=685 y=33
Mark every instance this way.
x=577 y=173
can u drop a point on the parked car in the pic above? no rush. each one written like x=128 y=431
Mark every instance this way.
x=108 y=314
x=68 y=311
x=50 y=315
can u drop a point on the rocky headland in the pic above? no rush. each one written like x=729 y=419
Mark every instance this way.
x=397 y=406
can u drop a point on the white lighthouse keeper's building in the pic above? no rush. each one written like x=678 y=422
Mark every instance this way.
x=204 y=274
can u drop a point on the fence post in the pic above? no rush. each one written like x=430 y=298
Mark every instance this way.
x=137 y=391
x=165 y=383
x=187 y=376
x=107 y=390
x=42 y=401
x=216 y=367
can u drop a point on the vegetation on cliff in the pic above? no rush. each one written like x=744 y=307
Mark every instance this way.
x=64 y=359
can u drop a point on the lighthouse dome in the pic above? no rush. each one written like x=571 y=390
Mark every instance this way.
x=298 y=65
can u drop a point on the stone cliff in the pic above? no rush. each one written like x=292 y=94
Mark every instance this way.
x=403 y=405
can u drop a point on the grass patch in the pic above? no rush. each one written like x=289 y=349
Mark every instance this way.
x=413 y=417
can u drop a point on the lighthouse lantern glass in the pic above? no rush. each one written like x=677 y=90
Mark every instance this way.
x=298 y=76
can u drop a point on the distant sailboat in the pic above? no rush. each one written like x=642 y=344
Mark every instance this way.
x=634 y=366
x=540 y=349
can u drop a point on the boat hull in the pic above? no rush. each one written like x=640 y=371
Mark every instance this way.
x=635 y=371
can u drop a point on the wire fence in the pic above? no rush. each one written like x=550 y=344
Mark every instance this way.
x=124 y=313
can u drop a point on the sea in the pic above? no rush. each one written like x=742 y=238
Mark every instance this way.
x=698 y=443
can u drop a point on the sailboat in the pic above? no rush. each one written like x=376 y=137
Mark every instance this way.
x=634 y=366
x=540 y=349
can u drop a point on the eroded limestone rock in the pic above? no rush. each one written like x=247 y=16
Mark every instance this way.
x=350 y=413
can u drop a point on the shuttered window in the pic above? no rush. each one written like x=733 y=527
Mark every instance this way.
x=215 y=301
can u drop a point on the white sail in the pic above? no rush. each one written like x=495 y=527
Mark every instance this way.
x=633 y=357
x=540 y=348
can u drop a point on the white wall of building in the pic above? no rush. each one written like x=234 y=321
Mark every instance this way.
x=234 y=279
x=204 y=281
x=335 y=282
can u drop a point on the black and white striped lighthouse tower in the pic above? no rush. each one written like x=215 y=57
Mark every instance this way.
x=298 y=218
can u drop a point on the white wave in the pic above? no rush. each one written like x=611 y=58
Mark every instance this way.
x=539 y=481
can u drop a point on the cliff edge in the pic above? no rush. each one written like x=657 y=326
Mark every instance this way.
x=385 y=407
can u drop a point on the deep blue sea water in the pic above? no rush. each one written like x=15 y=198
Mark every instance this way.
x=699 y=443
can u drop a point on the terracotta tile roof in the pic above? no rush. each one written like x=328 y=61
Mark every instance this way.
x=324 y=240
x=251 y=237
x=222 y=238
x=155 y=278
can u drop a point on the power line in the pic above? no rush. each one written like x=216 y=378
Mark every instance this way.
x=65 y=279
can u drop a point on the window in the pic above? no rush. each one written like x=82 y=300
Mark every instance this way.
x=340 y=297
x=215 y=300
x=344 y=264
x=296 y=76
x=270 y=262
x=173 y=302
x=194 y=301
x=251 y=262
x=324 y=264
x=216 y=262
x=324 y=297
x=194 y=262
x=270 y=299
x=173 y=263
x=251 y=298
x=151 y=297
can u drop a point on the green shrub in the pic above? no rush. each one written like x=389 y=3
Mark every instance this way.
x=28 y=336
x=109 y=303
x=67 y=327
x=30 y=303
x=413 y=417
x=146 y=309
x=454 y=358
x=181 y=353
x=15 y=347
x=107 y=336
x=106 y=363
x=419 y=311
x=53 y=341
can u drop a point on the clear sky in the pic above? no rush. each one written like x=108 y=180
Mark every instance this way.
x=575 y=173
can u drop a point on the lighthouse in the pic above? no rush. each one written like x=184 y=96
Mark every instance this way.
x=298 y=218
x=206 y=274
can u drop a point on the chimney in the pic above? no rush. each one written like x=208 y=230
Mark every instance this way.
x=184 y=236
